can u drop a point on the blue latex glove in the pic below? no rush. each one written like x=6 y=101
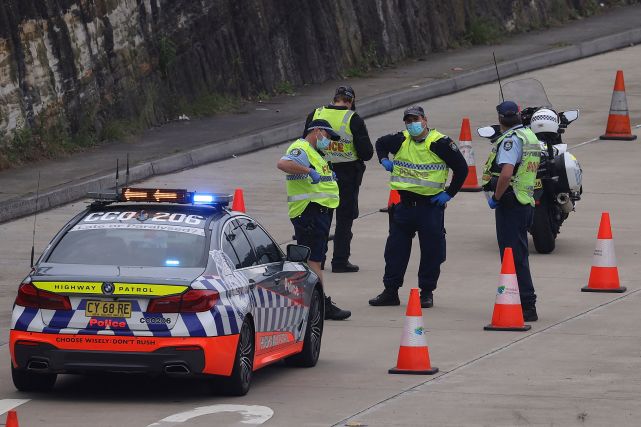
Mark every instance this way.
x=441 y=199
x=315 y=176
x=388 y=165
x=492 y=203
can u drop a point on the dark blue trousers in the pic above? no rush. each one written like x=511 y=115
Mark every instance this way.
x=427 y=221
x=512 y=223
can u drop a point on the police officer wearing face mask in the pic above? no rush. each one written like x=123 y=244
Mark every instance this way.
x=508 y=178
x=347 y=157
x=422 y=158
x=312 y=195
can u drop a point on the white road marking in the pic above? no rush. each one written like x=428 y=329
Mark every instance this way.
x=8 y=404
x=252 y=414
x=593 y=140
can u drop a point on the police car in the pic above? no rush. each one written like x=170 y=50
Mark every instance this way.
x=168 y=282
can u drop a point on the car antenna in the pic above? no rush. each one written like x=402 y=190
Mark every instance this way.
x=496 y=67
x=117 y=170
x=127 y=173
x=35 y=215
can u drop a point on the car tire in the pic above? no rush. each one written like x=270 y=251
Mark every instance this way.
x=25 y=380
x=308 y=357
x=238 y=383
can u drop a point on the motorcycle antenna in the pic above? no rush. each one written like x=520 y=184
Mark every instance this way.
x=35 y=215
x=127 y=173
x=496 y=67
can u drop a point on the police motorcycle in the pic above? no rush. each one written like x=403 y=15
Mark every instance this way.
x=559 y=178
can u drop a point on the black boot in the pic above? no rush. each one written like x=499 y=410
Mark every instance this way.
x=388 y=297
x=344 y=268
x=332 y=312
x=427 y=299
x=529 y=313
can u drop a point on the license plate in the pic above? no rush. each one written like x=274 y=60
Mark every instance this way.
x=108 y=309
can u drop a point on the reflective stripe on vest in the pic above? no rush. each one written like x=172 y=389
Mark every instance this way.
x=343 y=150
x=524 y=178
x=311 y=196
x=417 y=168
x=300 y=190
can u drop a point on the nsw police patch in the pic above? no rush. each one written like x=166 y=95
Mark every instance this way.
x=295 y=152
x=453 y=146
x=507 y=146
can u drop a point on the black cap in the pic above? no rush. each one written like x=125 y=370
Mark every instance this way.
x=507 y=108
x=324 y=124
x=414 y=110
x=345 y=91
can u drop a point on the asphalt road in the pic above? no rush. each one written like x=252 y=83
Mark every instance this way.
x=579 y=365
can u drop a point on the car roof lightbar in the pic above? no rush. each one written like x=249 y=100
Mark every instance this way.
x=163 y=195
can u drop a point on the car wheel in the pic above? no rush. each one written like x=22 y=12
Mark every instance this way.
x=308 y=357
x=238 y=383
x=25 y=380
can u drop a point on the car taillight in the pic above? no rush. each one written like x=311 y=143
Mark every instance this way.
x=30 y=296
x=192 y=301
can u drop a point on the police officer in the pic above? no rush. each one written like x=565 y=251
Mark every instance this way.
x=348 y=157
x=312 y=195
x=422 y=158
x=508 y=178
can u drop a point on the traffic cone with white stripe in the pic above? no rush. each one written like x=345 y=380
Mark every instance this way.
x=507 y=315
x=618 y=127
x=413 y=354
x=471 y=183
x=604 y=275
x=12 y=419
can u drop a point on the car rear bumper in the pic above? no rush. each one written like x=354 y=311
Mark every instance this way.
x=58 y=353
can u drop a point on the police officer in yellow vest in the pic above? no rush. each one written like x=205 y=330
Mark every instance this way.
x=508 y=179
x=347 y=157
x=422 y=159
x=312 y=195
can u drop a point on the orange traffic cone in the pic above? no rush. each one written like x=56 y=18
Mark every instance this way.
x=465 y=144
x=394 y=199
x=507 y=315
x=413 y=354
x=239 y=201
x=12 y=419
x=604 y=275
x=619 y=120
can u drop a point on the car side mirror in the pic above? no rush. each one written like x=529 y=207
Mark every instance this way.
x=298 y=253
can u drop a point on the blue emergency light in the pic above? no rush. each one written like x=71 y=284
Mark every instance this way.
x=172 y=262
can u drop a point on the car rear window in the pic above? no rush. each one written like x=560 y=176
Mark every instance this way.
x=135 y=238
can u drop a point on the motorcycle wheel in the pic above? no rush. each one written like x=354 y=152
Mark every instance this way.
x=543 y=235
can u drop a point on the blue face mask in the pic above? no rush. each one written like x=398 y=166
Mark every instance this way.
x=322 y=143
x=414 y=128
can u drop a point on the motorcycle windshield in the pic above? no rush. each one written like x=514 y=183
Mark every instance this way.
x=526 y=93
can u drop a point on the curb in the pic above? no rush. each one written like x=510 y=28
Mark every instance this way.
x=222 y=150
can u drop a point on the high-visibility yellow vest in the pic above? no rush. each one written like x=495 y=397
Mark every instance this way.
x=342 y=150
x=417 y=168
x=301 y=191
x=524 y=176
